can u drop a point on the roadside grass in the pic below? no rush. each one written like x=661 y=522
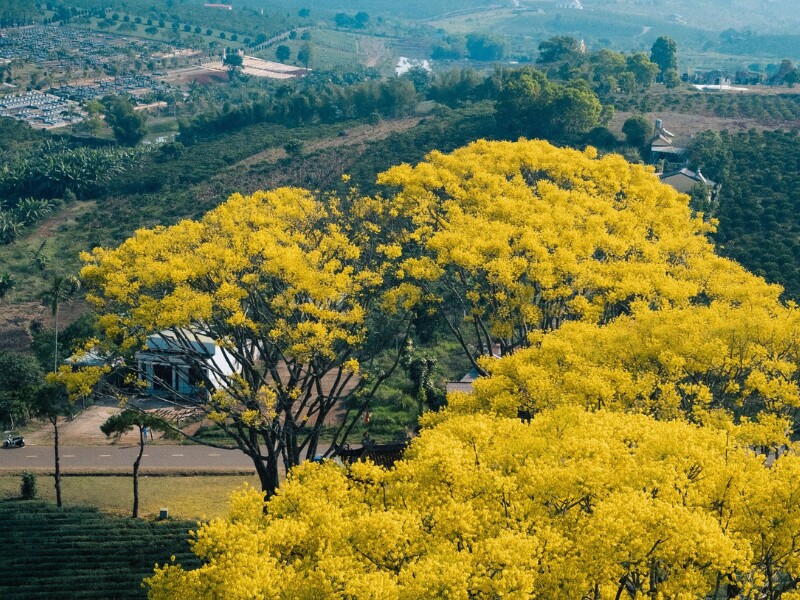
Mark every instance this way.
x=192 y=498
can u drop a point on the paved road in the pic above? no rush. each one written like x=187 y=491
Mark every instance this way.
x=121 y=458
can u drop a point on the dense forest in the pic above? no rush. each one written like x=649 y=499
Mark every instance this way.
x=759 y=204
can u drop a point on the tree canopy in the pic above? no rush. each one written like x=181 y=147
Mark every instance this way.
x=530 y=105
x=618 y=447
x=664 y=53
x=573 y=505
x=303 y=293
x=289 y=290
x=505 y=239
x=127 y=124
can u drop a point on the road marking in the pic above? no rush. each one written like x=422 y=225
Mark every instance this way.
x=177 y=455
x=68 y=456
x=31 y=456
x=145 y=455
x=213 y=454
x=105 y=455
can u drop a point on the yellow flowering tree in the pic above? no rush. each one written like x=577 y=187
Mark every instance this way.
x=646 y=368
x=704 y=363
x=505 y=239
x=287 y=289
x=64 y=388
x=573 y=505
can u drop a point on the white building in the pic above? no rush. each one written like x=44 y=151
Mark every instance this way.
x=183 y=363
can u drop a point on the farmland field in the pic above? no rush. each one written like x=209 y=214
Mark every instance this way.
x=51 y=554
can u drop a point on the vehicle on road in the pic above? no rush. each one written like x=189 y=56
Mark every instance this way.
x=12 y=439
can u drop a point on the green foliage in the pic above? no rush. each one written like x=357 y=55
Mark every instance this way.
x=305 y=54
x=771 y=110
x=20 y=377
x=14 y=13
x=283 y=53
x=127 y=124
x=671 y=78
x=27 y=486
x=16 y=137
x=7 y=283
x=32 y=183
x=294 y=147
x=450 y=48
x=759 y=202
x=711 y=153
x=558 y=48
x=328 y=104
x=70 y=339
x=530 y=105
x=485 y=48
x=457 y=87
x=602 y=138
x=637 y=130
x=664 y=53
x=54 y=168
x=125 y=421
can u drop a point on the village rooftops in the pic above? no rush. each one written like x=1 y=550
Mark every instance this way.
x=684 y=179
x=185 y=339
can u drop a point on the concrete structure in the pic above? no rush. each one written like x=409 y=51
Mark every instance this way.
x=661 y=145
x=182 y=363
x=40 y=110
x=684 y=180
x=464 y=384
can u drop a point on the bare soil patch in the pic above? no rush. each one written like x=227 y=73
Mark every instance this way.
x=84 y=428
x=16 y=319
x=352 y=136
x=67 y=216
x=685 y=125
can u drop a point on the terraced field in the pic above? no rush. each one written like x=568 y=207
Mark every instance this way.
x=51 y=554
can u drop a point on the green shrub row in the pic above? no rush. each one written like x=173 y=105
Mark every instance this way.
x=81 y=553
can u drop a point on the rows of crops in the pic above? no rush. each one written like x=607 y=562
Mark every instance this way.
x=767 y=109
x=337 y=40
x=81 y=553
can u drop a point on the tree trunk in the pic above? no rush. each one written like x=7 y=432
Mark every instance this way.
x=268 y=473
x=54 y=421
x=136 y=474
x=55 y=345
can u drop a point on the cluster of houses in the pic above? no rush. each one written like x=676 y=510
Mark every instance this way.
x=67 y=47
x=132 y=86
x=39 y=109
x=676 y=174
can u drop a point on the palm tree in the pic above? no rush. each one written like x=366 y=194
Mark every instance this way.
x=62 y=289
x=124 y=422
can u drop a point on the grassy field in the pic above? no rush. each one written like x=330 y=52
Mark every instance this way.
x=189 y=498
x=164 y=34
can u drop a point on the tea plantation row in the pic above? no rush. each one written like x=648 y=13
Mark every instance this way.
x=81 y=553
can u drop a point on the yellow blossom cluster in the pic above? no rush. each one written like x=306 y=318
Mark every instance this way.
x=573 y=505
x=271 y=263
x=672 y=363
x=522 y=236
x=611 y=452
